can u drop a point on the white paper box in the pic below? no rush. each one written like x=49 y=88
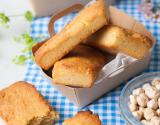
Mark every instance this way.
x=121 y=68
x=48 y=7
x=84 y=96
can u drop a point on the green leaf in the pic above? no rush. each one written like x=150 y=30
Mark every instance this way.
x=28 y=42
x=27 y=38
x=17 y=39
x=21 y=59
x=29 y=16
x=28 y=48
x=4 y=20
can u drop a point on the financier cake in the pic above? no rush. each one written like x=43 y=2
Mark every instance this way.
x=89 y=20
x=115 y=39
x=83 y=118
x=80 y=68
x=21 y=104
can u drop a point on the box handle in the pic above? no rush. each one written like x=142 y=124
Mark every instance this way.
x=75 y=7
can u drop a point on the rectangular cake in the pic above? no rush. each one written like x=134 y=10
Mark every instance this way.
x=83 y=118
x=115 y=39
x=80 y=68
x=88 y=21
x=21 y=104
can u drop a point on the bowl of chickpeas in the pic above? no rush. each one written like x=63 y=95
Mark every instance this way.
x=140 y=100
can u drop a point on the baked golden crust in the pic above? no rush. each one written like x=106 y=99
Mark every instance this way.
x=21 y=103
x=80 y=68
x=114 y=39
x=83 y=118
x=88 y=21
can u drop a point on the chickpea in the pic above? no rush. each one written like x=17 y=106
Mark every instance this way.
x=150 y=123
x=145 y=86
x=133 y=107
x=152 y=92
x=155 y=120
x=141 y=109
x=156 y=83
x=159 y=102
x=149 y=113
x=145 y=122
x=152 y=104
x=157 y=96
x=142 y=100
x=158 y=112
x=157 y=86
x=133 y=99
x=138 y=114
x=138 y=91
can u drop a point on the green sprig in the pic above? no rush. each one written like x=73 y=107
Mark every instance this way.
x=29 y=16
x=4 y=20
x=21 y=59
x=29 y=42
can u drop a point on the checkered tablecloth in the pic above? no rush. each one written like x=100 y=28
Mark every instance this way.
x=107 y=106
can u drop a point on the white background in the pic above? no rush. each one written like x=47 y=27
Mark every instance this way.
x=10 y=72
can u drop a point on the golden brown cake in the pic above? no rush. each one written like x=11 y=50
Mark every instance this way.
x=83 y=118
x=88 y=21
x=21 y=104
x=114 y=39
x=80 y=68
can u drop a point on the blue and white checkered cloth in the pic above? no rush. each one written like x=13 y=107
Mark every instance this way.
x=106 y=107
